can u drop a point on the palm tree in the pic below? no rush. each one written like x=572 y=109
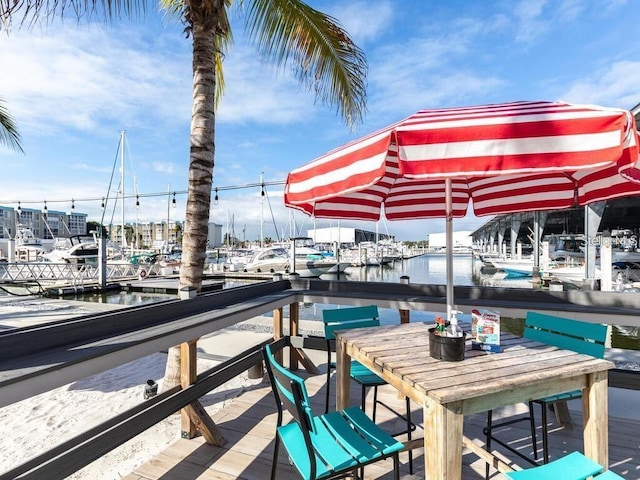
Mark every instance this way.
x=8 y=131
x=288 y=33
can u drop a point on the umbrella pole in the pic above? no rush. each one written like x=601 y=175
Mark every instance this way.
x=449 y=242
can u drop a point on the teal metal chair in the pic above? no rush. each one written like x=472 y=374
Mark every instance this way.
x=360 y=317
x=608 y=475
x=574 y=466
x=581 y=337
x=326 y=446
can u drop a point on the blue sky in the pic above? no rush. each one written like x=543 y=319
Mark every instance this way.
x=72 y=90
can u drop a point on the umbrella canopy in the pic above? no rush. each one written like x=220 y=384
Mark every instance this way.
x=504 y=158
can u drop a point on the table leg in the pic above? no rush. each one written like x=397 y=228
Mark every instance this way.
x=443 y=441
x=595 y=418
x=343 y=364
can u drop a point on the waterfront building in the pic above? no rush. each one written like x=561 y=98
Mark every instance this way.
x=345 y=235
x=7 y=222
x=462 y=241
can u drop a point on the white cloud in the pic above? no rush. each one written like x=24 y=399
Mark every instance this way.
x=78 y=77
x=256 y=93
x=163 y=167
x=615 y=85
x=364 y=20
x=530 y=22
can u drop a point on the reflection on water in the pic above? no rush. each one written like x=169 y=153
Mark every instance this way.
x=124 y=298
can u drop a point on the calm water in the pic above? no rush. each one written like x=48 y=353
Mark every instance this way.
x=429 y=269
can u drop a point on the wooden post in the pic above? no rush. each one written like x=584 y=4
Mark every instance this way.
x=404 y=314
x=188 y=375
x=294 y=331
x=194 y=418
x=277 y=331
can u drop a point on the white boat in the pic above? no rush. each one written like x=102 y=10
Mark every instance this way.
x=74 y=249
x=228 y=259
x=305 y=250
x=278 y=260
x=514 y=267
x=365 y=254
x=570 y=274
x=28 y=248
x=565 y=246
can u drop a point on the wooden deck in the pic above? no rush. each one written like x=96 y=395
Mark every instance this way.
x=248 y=424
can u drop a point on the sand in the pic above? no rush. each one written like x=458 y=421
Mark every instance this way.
x=34 y=425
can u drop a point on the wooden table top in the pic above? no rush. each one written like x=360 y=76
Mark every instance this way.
x=400 y=354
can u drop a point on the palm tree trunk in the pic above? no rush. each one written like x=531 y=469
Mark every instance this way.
x=171 y=370
x=201 y=160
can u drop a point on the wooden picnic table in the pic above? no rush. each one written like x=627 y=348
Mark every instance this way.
x=447 y=391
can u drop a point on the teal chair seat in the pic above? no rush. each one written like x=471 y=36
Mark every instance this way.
x=608 y=475
x=581 y=337
x=362 y=375
x=324 y=446
x=561 y=397
x=574 y=466
x=360 y=317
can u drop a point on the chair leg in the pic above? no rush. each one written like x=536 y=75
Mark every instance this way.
x=274 y=465
x=363 y=400
x=409 y=434
x=534 y=440
x=375 y=402
x=396 y=466
x=487 y=467
x=326 y=402
x=545 y=433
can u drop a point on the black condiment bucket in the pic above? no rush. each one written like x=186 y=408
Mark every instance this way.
x=450 y=349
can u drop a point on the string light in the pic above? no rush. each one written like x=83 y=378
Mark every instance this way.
x=215 y=200
x=103 y=200
x=174 y=200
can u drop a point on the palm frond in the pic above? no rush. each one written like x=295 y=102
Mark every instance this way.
x=325 y=59
x=9 y=134
x=223 y=39
x=32 y=12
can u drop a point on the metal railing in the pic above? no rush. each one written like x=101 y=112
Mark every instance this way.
x=49 y=274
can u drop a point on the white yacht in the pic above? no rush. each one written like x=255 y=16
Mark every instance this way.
x=278 y=260
x=28 y=248
x=305 y=250
x=75 y=249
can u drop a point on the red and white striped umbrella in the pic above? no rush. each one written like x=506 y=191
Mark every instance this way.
x=512 y=157
x=504 y=158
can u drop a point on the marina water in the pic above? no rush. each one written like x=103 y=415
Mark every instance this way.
x=427 y=269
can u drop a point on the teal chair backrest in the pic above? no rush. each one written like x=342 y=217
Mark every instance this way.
x=581 y=337
x=290 y=390
x=350 y=317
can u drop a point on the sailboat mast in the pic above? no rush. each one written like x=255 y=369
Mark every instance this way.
x=261 y=210
x=122 y=235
